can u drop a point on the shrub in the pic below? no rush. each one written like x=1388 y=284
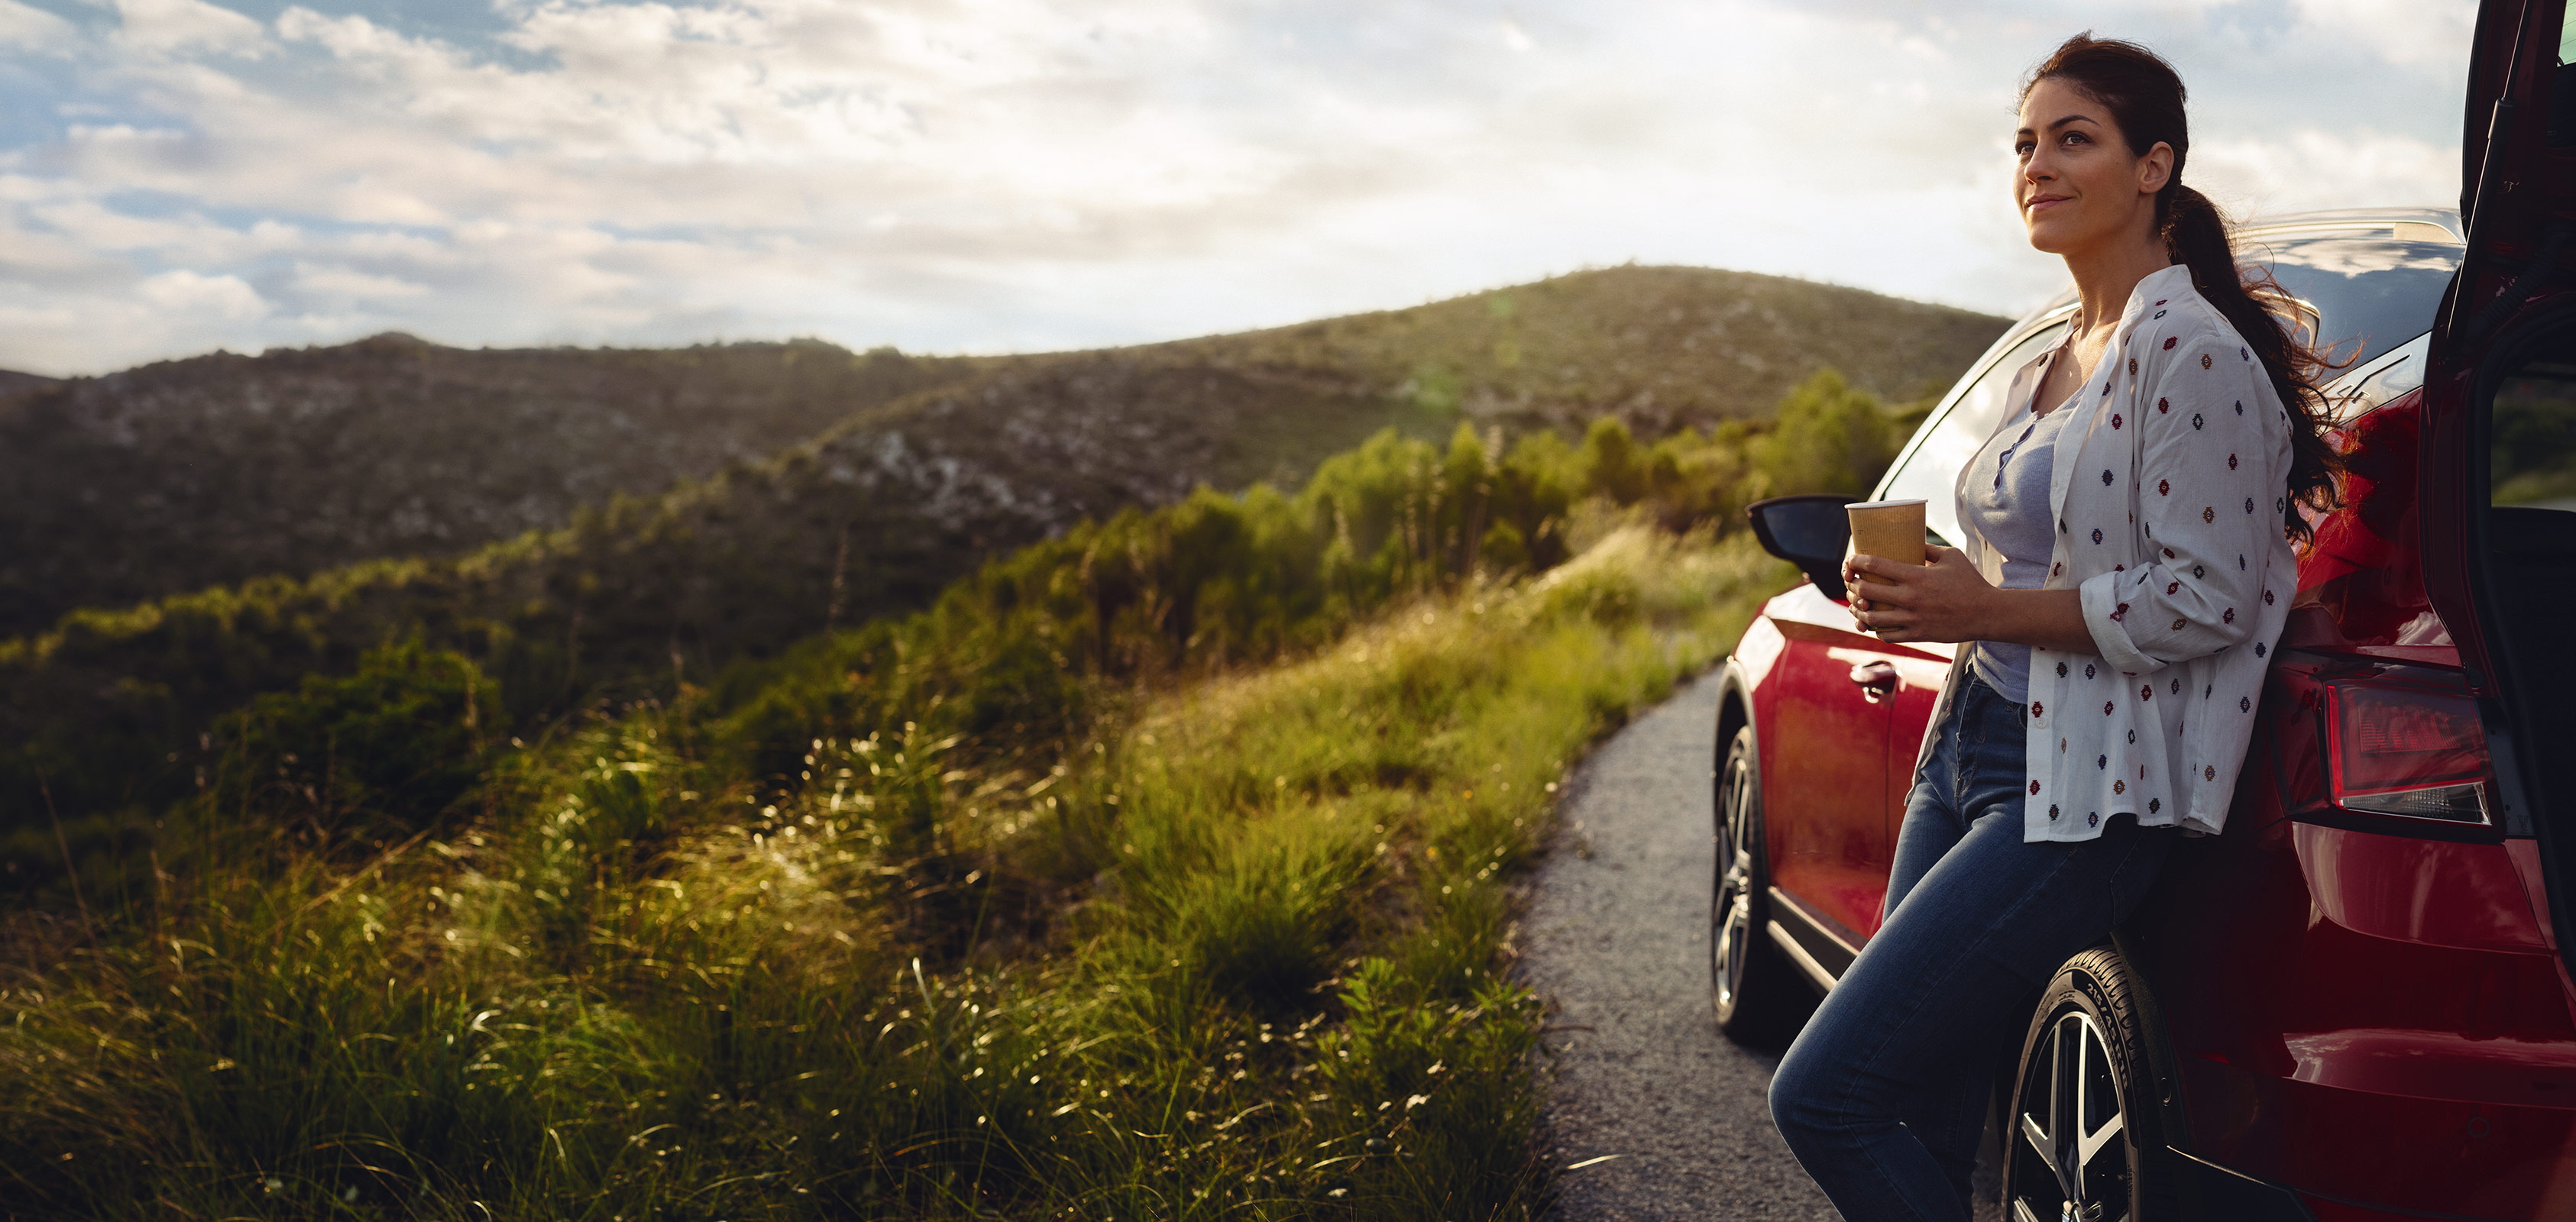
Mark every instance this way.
x=382 y=751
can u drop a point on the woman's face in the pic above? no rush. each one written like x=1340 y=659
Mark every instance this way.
x=2079 y=188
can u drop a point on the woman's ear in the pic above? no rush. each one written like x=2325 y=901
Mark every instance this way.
x=2155 y=168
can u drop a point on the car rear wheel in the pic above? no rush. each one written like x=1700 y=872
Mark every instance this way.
x=2081 y=1139
x=1757 y=998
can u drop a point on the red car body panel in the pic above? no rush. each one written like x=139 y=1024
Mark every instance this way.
x=1919 y=677
x=1826 y=766
x=2375 y=1017
x=1837 y=757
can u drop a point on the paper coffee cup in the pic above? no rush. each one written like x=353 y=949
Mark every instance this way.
x=1891 y=530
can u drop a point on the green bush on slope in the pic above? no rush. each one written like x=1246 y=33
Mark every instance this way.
x=383 y=751
x=107 y=711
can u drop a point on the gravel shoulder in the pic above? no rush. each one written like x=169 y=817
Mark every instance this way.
x=1616 y=938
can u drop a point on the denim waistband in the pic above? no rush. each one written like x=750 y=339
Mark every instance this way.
x=1979 y=698
x=1989 y=738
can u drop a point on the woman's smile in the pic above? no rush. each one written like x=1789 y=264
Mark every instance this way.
x=2081 y=191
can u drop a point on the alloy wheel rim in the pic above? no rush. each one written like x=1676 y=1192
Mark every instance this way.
x=1732 y=914
x=2071 y=1155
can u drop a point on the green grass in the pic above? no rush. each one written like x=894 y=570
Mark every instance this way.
x=1232 y=945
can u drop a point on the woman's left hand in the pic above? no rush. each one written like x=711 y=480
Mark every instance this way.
x=1944 y=599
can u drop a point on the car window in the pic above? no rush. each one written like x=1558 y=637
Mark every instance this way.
x=1951 y=438
x=2364 y=388
x=2531 y=456
x=2530 y=532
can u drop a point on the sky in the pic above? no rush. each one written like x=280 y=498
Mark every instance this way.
x=178 y=176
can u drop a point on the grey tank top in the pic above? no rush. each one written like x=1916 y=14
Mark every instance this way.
x=2005 y=500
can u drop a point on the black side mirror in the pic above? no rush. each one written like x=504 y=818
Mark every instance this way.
x=1810 y=531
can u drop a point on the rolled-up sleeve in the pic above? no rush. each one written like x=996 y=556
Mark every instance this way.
x=2212 y=448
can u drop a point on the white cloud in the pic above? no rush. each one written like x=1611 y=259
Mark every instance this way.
x=2411 y=33
x=33 y=29
x=164 y=27
x=982 y=174
x=2310 y=168
x=348 y=283
x=186 y=292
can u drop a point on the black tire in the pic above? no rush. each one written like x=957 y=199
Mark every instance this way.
x=2083 y=1070
x=1757 y=993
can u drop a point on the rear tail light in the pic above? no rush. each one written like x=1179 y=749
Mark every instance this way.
x=2407 y=743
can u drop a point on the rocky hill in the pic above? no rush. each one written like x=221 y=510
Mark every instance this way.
x=270 y=460
x=216 y=469
x=1662 y=348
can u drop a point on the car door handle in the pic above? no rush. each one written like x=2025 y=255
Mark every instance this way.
x=1875 y=679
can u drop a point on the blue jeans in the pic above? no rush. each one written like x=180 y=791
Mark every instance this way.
x=1883 y=1096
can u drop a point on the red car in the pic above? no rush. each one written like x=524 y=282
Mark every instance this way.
x=2356 y=1002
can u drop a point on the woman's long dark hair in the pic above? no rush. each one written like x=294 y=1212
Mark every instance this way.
x=2145 y=97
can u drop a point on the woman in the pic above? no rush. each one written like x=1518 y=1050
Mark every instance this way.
x=2127 y=570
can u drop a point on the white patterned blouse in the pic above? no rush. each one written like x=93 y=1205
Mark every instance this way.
x=2169 y=489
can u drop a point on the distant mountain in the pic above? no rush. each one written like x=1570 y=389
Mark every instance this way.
x=933 y=466
x=1661 y=348
x=199 y=472
x=212 y=470
x=12 y=381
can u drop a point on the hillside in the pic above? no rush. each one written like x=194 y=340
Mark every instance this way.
x=649 y=598
x=217 y=469
x=214 y=469
x=714 y=854
x=1661 y=348
x=1139 y=876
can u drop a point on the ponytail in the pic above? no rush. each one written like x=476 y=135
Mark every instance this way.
x=2145 y=97
x=2195 y=235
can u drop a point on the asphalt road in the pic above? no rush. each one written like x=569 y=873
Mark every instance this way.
x=1616 y=938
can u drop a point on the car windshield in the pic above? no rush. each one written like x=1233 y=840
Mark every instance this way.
x=1957 y=433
